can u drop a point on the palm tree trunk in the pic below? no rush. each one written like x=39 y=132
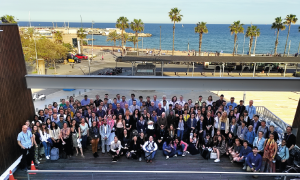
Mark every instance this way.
x=287 y=38
x=173 y=38
x=276 y=43
x=235 y=36
x=254 y=45
x=250 y=45
x=122 y=38
x=114 y=42
x=200 y=43
x=137 y=43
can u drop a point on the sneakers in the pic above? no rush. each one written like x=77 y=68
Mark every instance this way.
x=184 y=153
x=167 y=157
x=114 y=160
x=217 y=160
x=175 y=155
x=47 y=157
x=40 y=159
x=244 y=167
x=140 y=159
x=37 y=162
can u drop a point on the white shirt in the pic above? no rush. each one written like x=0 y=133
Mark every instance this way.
x=181 y=102
x=216 y=122
x=209 y=103
x=44 y=136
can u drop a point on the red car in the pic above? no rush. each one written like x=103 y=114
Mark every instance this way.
x=81 y=56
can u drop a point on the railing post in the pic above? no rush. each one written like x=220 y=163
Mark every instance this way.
x=220 y=176
x=284 y=178
x=28 y=176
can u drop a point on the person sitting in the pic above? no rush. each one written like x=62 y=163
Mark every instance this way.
x=125 y=142
x=230 y=142
x=180 y=147
x=250 y=135
x=206 y=144
x=219 y=148
x=150 y=148
x=254 y=160
x=115 y=148
x=134 y=150
x=168 y=148
x=242 y=130
x=193 y=144
x=243 y=154
x=162 y=135
x=235 y=151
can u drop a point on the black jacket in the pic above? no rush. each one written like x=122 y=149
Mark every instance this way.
x=94 y=132
x=258 y=124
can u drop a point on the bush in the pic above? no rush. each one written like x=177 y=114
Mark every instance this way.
x=297 y=74
x=69 y=46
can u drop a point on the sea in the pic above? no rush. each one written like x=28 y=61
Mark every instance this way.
x=218 y=37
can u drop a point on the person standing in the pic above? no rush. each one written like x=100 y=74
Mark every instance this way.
x=270 y=150
x=66 y=139
x=290 y=139
x=84 y=130
x=25 y=141
x=282 y=156
x=105 y=131
x=241 y=107
x=255 y=123
x=95 y=135
x=44 y=133
x=251 y=109
x=231 y=103
x=150 y=148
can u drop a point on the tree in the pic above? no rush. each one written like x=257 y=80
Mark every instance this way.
x=122 y=23
x=134 y=40
x=9 y=19
x=175 y=16
x=236 y=28
x=137 y=26
x=125 y=38
x=201 y=28
x=113 y=36
x=278 y=25
x=81 y=34
x=58 y=37
x=288 y=21
x=251 y=32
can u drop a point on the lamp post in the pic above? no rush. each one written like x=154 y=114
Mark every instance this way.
x=92 y=48
x=244 y=44
x=160 y=38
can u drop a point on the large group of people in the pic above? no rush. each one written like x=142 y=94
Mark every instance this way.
x=138 y=128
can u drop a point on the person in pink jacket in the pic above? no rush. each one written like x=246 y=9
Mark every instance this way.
x=180 y=147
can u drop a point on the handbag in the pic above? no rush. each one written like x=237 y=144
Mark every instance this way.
x=49 y=140
x=213 y=155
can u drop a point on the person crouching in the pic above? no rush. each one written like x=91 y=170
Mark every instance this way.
x=150 y=148
x=115 y=147
x=168 y=148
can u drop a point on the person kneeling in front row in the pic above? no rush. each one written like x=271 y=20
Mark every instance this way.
x=168 y=148
x=180 y=147
x=254 y=161
x=150 y=148
x=115 y=148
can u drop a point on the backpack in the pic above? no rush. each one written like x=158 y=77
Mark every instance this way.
x=54 y=154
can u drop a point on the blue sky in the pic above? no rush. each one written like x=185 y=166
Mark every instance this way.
x=154 y=11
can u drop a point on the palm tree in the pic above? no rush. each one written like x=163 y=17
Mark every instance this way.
x=137 y=25
x=81 y=34
x=251 y=32
x=8 y=18
x=175 y=16
x=125 y=38
x=58 y=37
x=201 y=28
x=257 y=34
x=134 y=40
x=288 y=21
x=236 y=28
x=113 y=36
x=122 y=23
x=278 y=25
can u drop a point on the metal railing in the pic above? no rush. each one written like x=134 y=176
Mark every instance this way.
x=92 y=172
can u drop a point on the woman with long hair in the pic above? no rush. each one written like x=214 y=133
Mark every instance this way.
x=209 y=101
x=55 y=105
x=180 y=129
x=270 y=150
x=120 y=127
x=48 y=123
x=150 y=126
x=186 y=116
x=233 y=126
x=209 y=108
x=246 y=117
x=173 y=101
x=192 y=111
x=180 y=147
x=208 y=123
x=84 y=133
x=224 y=124
x=234 y=151
x=75 y=130
x=36 y=142
x=94 y=135
x=203 y=111
x=172 y=133
x=69 y=120
x=168 y=148
x=219 y=148
x=71 y=100
x=135 y=118
x=135 y=150
x=66 y=139
x=125 y=142
x=201 y=129
x=44 y=133
x=111 y=123
x=193 y=144
x=128 y=121
x=55 y=135
x=236 y=113
x=230 y=115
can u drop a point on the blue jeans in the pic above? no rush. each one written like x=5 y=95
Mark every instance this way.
x=180 y=133
x=170 y=154
x=47 y=148
x=179 y=152
x=83 y=142
x=148 y=156
x=243 y=160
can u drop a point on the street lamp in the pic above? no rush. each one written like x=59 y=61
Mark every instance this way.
x=92 y=49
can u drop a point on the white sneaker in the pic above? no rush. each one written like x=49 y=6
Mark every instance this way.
x=175 y=155
x=38 y=162
x=167 y=157
x=244 y=167
x=183 y=154
x=47 y=157
x=217 y=160
x=140 y=159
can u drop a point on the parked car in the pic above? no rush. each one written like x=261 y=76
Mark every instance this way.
x=74 y=60
x=81 y=56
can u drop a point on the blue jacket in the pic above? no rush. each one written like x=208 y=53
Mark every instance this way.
x=254 y=161
x=188 y=123
x=260 y=144
x=249 y=136
x=283 y=152
x=168 y=147
x=244 y=152
x=141 y=126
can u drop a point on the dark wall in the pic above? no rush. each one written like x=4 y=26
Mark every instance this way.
x=296 y=123
x=16 y=104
